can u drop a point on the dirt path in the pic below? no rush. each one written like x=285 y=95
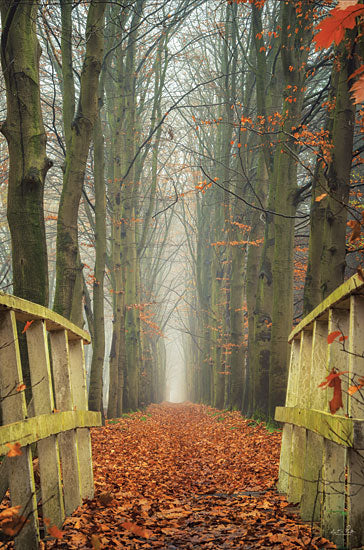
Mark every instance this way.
x=185 y=476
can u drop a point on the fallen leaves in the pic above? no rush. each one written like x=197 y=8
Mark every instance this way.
x=181 y=477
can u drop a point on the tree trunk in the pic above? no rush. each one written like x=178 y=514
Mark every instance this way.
x=26 y=137
x=67 y=266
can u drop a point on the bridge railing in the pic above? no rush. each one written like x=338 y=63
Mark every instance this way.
x=57 y=422
x=322 y=454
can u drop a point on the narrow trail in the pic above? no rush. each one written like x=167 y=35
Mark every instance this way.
x=184 y=476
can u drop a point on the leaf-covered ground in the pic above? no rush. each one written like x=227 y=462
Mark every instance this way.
x=185 y=477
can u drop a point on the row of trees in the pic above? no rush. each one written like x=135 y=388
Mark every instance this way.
x=280 y=169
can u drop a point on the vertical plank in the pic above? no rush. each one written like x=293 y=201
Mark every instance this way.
x=304 y=374
x=319 y=365
x=297 y=464
x=356 y=410
x=67 y=440
x=79 y=389
x=293 y=373
x=48 y=453
x=20 y=468
x=291 y=400
x=333 y=509
x=355 y=346
x=312 y=487
x=284 y=462
x=337 y=357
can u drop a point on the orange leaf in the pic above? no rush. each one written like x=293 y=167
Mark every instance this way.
x=320 y=197
x=355 y=234
x=343 y=338
x=333 y=335
x=333 y=28
x=27 y=325
x=357 y=90
x=21 y=387
x=15 y=449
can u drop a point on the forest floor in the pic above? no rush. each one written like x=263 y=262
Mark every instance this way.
x=184 y=476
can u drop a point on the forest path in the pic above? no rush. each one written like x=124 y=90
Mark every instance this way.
x=184 y=476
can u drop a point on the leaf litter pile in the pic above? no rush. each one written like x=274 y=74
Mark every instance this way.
x=185 y=476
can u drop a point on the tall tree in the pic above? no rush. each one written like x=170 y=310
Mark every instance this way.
x=26 y=137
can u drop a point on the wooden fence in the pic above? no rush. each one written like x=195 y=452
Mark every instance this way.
x=322 y=455
x=58 y=422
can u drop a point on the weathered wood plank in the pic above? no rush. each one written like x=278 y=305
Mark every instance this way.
x=297 y=464
x=284 y=463
x=333 y=483
x=27 y=311
x=293 y=374
x=67 y=441
x=304 y=374
x=319 y=366
x=79 y=389
x=355 y=346
x=354 y=285
x=333 y=427
x=355 y=521
x=43 y=402
x=35 y=428
x=311 y=500
x=19 y=468
x=337 y=357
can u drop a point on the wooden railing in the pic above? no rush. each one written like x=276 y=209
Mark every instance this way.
x=57 y=421
x=322 y=455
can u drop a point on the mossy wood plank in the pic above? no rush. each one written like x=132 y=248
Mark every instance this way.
x=64 y=401
x=337 y=358
x=43 y=402
x=339 y=297
x=85 y=462
x=78 y=375
x=319 y=366
x=36 y=428
x=11 y=376
x=355 y=346
x=61 y=370
x=27 y=311
x=303 y=394
x=297 y=464
x=355 y=462
x=312 y=487
x=79 y=393
x=293 y=374
x=333 y=518
x=70 y=471
x=40 y=369
x=284 y=463
x=19 y=468
x=332 y=427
